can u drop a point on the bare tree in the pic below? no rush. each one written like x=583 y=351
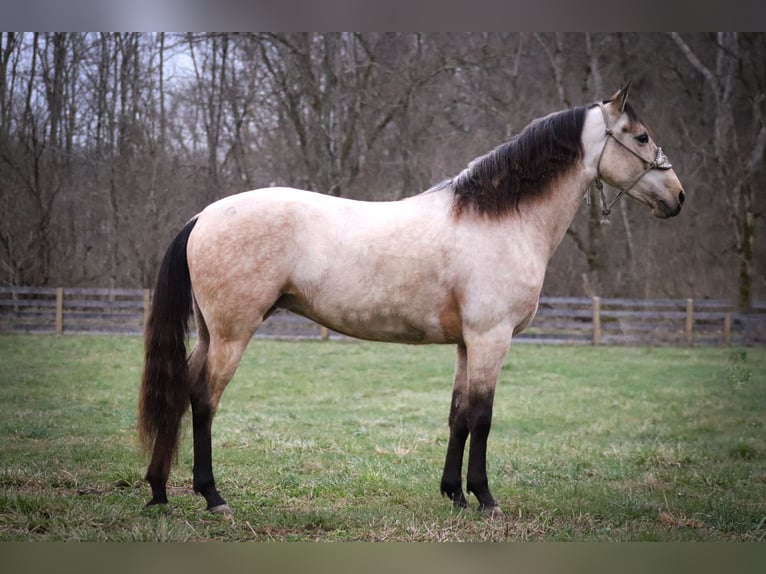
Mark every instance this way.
x=32 y=158
x=338 y=93
x=738 y=154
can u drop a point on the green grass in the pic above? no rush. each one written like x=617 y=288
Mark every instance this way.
x=345 y=441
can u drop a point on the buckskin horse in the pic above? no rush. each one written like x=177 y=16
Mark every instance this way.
x=462 y=263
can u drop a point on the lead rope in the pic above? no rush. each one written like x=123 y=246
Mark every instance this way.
x=606 y=206
x=606 y=209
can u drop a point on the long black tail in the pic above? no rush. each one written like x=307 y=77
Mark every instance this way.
x=165 y=385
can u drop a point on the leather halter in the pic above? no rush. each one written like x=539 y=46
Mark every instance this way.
x=660 y=161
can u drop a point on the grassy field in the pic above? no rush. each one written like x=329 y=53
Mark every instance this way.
x=345 y=441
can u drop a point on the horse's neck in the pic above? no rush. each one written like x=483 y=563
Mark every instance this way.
x=552 y=214
x=555 y=209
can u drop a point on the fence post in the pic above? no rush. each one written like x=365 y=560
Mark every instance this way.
x=727 y=329
x=596 y=321
x=689 y=322
x=147 y=305
x=59 y=310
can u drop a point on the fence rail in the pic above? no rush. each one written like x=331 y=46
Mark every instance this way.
x=559 y=320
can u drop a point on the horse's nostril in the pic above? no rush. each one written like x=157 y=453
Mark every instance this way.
x=681 y=197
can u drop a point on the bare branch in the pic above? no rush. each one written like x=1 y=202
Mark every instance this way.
x=554 y=57
x=696 y=63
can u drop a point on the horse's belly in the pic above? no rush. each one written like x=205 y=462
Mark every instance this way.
x=372 y=325
x=389 y=329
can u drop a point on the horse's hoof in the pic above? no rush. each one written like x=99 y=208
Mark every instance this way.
x=221 y=509
x=459 y=503
x=492 y=512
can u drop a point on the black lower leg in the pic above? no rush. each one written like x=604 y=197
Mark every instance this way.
x=159 y=490
x=480 y=421
x=202 y=418
x=157 y=473
x=451 y=483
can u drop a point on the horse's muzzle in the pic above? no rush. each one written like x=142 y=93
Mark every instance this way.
x=665 y=209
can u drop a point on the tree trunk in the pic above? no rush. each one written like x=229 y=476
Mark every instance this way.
x=733 y=175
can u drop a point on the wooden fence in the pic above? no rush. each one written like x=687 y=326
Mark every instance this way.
x=559 y=320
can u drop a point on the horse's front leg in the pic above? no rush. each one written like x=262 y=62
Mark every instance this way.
x=485 y=359
x=451 y=483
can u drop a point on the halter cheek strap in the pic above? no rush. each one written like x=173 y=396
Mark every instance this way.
x=660 y=161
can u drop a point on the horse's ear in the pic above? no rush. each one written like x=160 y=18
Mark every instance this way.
x=620 y=98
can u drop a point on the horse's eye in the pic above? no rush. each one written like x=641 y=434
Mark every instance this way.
x=643 y=138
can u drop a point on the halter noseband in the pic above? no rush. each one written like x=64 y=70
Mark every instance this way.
x=660 y=162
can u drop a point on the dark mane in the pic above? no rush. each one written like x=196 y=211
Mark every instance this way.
x=522 y=167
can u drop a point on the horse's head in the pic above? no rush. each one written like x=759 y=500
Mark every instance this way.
x=632 y=162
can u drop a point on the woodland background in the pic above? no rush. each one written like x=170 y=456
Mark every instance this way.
x=110 y=142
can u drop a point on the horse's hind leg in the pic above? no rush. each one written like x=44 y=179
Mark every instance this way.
x=222 y=361
x=211 y=375
x=158 y=470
